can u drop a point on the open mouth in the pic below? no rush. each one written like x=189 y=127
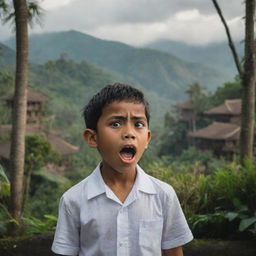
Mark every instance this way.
x=128 y=152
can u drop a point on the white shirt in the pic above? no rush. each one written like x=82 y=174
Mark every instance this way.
x=94 y=222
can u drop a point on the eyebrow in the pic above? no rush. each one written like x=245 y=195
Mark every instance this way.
x=125 y=118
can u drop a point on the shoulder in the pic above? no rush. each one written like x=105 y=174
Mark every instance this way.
x=161 y=188
x=72 y=198
x=77 y=190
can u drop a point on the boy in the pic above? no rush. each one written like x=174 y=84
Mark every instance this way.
x=119 y=209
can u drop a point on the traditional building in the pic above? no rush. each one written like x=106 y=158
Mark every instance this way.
x=229 y=111
x=34 y=126
x=222 y=136
x=186 y=113
x=35 y=102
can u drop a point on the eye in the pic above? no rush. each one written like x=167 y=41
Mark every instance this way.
x=139 y=124
x=115 y=124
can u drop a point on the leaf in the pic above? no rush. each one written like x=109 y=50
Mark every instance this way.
x=245 y=223
x=2 y=174
x=231 y=215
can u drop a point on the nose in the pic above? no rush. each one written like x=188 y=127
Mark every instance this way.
x=128 y=136
x=128 y=132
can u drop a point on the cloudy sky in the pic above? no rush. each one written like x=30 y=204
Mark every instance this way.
x=138 y=22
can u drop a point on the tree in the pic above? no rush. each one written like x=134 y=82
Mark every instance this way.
x=247 y=76
x=248 y=85
x=38 y=152
x=19 y=109
x=23 y=13
x=199 y=101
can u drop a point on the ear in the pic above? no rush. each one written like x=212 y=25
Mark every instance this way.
x=90 y=137
x=149 y=138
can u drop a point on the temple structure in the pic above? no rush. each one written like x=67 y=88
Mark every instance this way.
x=222 y=136
x=35 y=115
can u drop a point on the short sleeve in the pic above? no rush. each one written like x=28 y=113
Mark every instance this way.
x=66 y=239
x=176 y=231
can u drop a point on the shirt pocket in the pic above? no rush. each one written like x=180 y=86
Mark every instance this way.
x=150 y=237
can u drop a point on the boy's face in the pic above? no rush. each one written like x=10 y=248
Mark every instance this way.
x=122 y=135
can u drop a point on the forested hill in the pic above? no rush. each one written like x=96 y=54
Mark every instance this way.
x=215 y=55
x=70 y=84
x=7 y=56
x=157 y=71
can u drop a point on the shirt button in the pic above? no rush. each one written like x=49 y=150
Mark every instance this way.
x=123 y=244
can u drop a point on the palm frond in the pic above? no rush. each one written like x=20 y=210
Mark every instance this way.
x=35 y=13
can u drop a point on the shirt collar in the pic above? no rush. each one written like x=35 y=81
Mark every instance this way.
x=96 y=185
x=143 y=182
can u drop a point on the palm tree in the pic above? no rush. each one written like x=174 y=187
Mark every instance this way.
x=19 y=108
x=23 y=13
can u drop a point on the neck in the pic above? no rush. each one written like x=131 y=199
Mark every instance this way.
x=116 y=177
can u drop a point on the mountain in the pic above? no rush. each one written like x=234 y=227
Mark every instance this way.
x=156 y=71
x=7 y=56
x=217 y=55
x=70 y=84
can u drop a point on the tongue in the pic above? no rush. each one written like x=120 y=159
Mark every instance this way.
x=126 y=156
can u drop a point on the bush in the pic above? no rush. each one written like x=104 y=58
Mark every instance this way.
x=211 y=200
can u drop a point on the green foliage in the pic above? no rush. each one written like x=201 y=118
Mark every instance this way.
x=242 y=213
x=5 y=216
x=4 y=187
x=36 y=226
x=219 y=201
x=212 y=225
x=173 y=139
x=230 y=90
x=198 y=97
x=38 y=152
x=45 y=192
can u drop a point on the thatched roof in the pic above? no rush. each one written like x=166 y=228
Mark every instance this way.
x=30 y=129
x=218 y=131
x=33 y=96
x=229 y=107
x=62 y=146
x=185 y=105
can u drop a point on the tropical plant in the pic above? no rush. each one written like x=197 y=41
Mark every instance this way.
x=35 y=226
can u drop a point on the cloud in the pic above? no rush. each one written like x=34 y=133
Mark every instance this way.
x=53 y=4
x=202 y=29
x=140 y=21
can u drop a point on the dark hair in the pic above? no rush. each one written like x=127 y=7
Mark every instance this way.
x=110 y=93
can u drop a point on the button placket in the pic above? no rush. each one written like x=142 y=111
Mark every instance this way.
x=122 y=232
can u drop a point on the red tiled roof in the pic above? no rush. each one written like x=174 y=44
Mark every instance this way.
x=218 y=131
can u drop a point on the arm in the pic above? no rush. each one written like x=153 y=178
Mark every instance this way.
x=173 y=252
